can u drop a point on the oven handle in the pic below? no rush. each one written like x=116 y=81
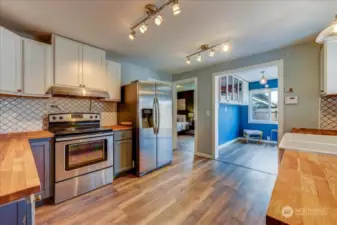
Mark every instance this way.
x=59 y=139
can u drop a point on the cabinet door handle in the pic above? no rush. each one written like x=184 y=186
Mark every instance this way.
x=19 y=90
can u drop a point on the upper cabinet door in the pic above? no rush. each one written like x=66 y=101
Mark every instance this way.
x=10 y=61
x=67 y=62
x=37 y=67
x=94 y=68
x=113 y=70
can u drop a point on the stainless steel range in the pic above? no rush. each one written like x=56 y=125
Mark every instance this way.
x=83 y=154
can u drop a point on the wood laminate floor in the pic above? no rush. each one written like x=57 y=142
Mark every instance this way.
x=261 y=157
x=193 y=190
x=185 y=143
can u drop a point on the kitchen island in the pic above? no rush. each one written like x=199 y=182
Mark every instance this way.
x=305 y=190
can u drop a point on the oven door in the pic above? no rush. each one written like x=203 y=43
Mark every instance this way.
x=80 y=155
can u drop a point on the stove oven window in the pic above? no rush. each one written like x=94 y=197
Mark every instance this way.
x=84 y=154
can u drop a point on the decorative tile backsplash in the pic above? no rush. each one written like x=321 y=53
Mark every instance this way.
x=28 y=114
x=329 y=113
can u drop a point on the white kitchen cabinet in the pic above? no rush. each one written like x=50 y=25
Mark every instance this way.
x=67 y=62
x=37 y=67
x=94 y=68
x=10 y=62
x=329 y=68
x=113 y=73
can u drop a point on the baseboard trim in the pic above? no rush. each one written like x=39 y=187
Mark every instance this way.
x=228 y=142
x=257 y=140
x=203 y=155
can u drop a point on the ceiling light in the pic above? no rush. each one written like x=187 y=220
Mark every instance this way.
x=212 y=53
x=132 y=35
x=225 y=47
x=176 y=8
x=143 y=28
x=263 y=80
x=328 y=32
x=188 y=61
x=158 y=20
x=199 y=58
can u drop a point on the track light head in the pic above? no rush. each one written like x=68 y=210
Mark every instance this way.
x=132 y=35
x=143 y=28
x=176 y=8
x=158 y=20
x=225 y=47
x=212 y=53
x=199 y=58
x=188 y=60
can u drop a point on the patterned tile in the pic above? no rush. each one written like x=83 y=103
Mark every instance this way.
x=329 y=113
x=24 y=114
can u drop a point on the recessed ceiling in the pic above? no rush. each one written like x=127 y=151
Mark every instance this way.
x=253 y=26
x=255 y=75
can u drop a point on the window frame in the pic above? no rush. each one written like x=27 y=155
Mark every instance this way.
x=250 y=113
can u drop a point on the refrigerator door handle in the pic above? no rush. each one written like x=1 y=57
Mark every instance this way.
x=158 y=115
x=154 y=116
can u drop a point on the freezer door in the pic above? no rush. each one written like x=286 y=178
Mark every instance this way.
x=146 y=154
x=164 y=124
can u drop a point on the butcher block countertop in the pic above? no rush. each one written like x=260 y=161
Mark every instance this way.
x=18 y=174
x=119 y=127
x=305 y=191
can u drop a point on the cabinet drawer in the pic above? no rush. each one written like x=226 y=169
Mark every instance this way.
x=122 y=134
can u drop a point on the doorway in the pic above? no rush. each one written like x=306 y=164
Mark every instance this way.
x=248 y=116
x=185 y=108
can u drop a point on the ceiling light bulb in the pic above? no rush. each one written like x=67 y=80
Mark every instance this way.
x=176 y=9
x=263 y=80
x=132 y=35
x=143 y=28
x=158 y=20
x=225 y=47
x=188 y=61
x=211 y=53
x=199 y=58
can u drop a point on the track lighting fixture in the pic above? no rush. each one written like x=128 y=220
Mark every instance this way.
x=158 y=20
x=211 y=48
x=132 y=35
x=152 y=10
x=188 y=61
x=143 y=28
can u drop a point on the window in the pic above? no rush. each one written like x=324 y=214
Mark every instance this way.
x=263 y=106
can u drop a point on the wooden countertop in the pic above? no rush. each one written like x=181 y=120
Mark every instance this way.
x=307 y=186
x=18 y=174
x=119 y=127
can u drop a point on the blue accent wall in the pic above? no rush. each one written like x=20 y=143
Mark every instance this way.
x=228 y=122
x=256 y=85
x=234 y=120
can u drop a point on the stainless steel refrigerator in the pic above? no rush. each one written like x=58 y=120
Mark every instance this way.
x=148 y=105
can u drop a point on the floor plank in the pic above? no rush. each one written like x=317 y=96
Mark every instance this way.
x=193 y=190
x=261 y=157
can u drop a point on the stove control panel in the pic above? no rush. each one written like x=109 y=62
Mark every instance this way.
x=74 y=117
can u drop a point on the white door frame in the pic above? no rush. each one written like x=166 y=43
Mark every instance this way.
x=175 y=108
x=215 y=99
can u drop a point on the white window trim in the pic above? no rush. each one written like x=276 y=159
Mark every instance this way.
x=250 y=111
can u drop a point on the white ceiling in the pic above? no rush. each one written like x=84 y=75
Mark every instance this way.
x=253 y=26
x=255 y=75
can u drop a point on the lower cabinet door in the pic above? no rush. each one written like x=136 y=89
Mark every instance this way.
x=122 y=156
x=14 y=213
x=42 y=157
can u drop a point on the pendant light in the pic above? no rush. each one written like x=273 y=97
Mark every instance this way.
x=328 y=32
x=263 y=80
